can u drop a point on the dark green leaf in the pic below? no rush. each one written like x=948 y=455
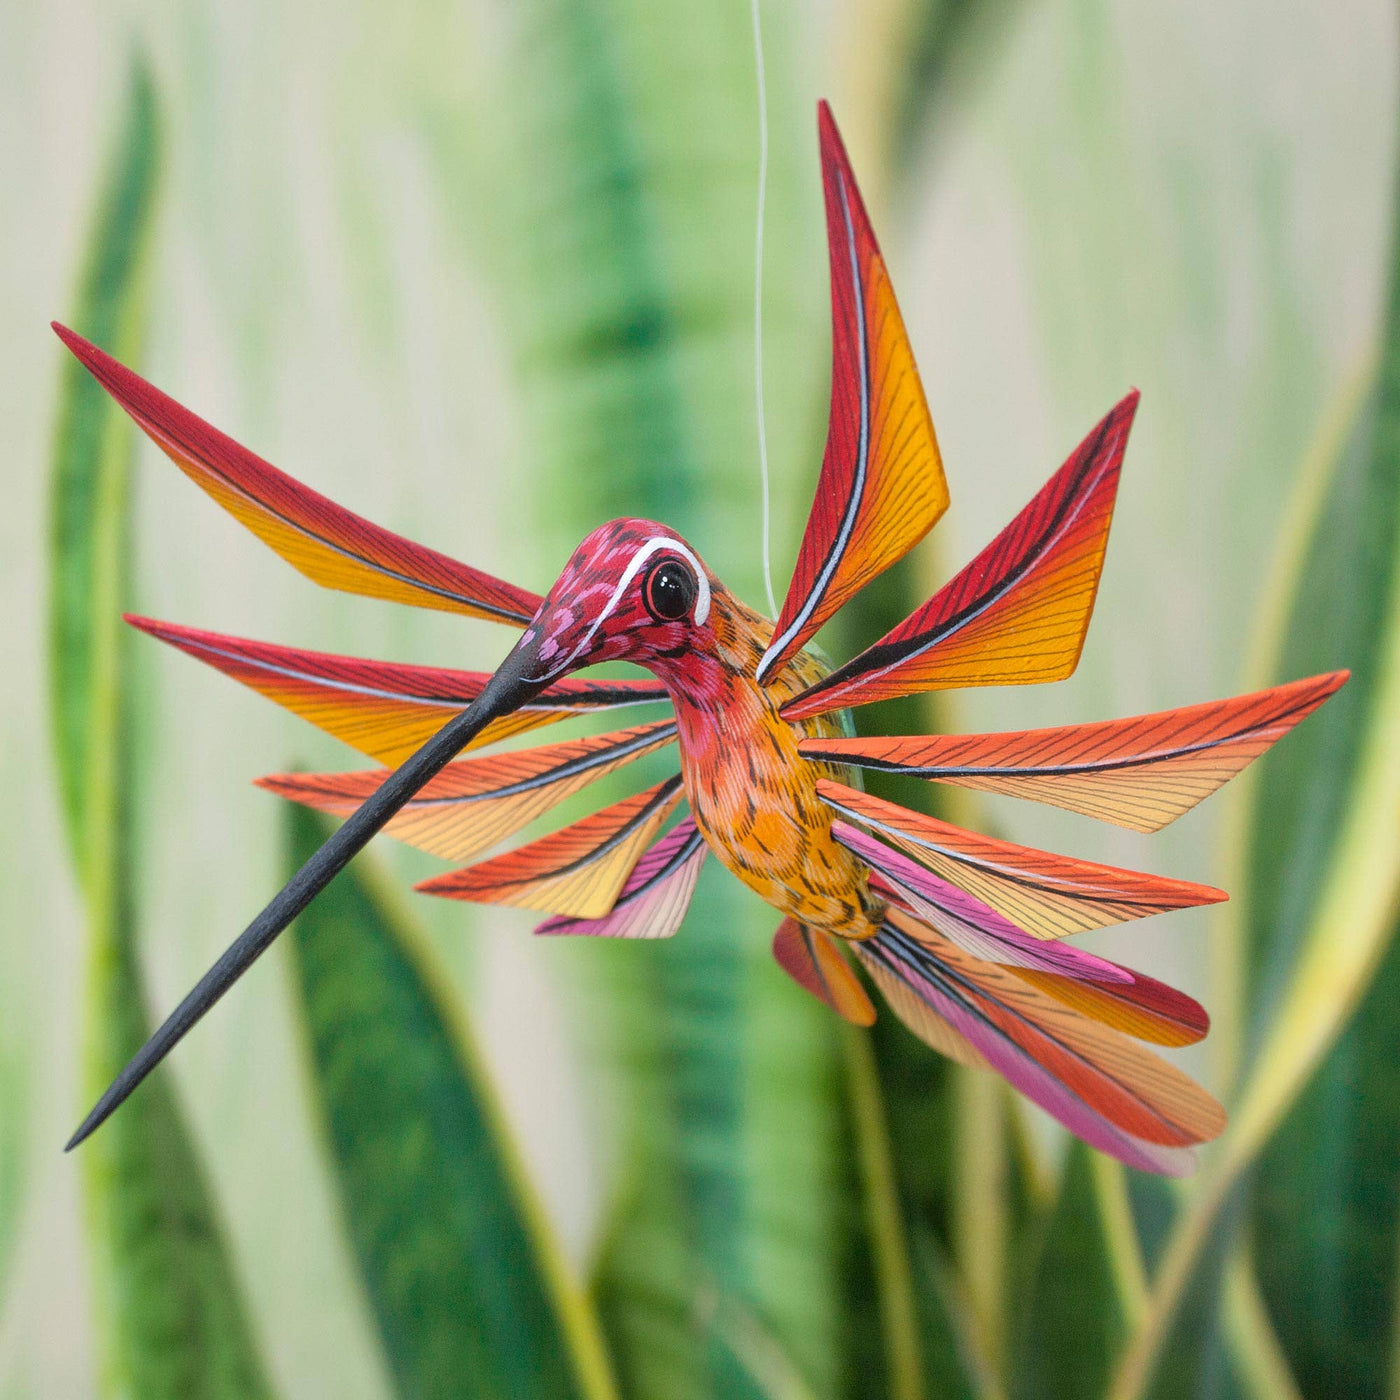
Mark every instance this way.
x=462 y=1274
x=1071 y=1310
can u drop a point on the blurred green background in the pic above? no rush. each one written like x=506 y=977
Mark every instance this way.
x=483 y=272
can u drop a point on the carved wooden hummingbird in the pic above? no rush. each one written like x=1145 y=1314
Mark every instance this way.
x=962 y=933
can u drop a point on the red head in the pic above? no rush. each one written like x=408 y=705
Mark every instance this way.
x=632 y=591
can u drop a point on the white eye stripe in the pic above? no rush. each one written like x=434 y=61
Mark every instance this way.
x=634 y=566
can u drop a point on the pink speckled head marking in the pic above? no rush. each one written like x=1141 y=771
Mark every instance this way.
x=633 y=590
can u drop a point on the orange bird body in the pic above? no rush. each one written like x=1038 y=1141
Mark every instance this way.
x=964 y=934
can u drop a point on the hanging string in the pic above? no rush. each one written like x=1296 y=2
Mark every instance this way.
x=758 y=304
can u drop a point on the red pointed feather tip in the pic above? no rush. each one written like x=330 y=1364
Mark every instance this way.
x=881 y=487
x=385 y=709
x=329 y=544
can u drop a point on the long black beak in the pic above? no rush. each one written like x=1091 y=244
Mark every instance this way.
x=507 y=690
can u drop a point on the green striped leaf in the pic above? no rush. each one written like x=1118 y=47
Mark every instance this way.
x=1325 y=1200
x=462 y=1273
x=170 y=1315
x=1319 y=911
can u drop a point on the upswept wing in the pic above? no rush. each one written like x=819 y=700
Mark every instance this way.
x=1141 y=772
x=578 y=871
x=383 y=708
x=881 y=487
x=1015 y=615
x=654 y=897
x=329 y=544
x=1047 y=895
x=477 y=802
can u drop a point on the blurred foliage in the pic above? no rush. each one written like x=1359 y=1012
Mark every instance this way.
x=1315 y=919
x=1328 y=1272
x=464 y=1279
x=168 y=1302
x=799 y=1210
x=13 y=1144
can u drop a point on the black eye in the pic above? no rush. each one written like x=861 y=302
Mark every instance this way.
x=669 y=591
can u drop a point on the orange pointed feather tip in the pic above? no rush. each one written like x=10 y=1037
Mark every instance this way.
x=812 y=959
x=1141 y=772
x=329 y=544
x=384 y=709
x=579 y=871
x=477 y=802
x=1048 y=895
x=1018 y=613
x=881 y=487
x=1144 y=1008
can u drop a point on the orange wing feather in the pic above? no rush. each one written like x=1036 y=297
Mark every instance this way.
x=1016 y=614
x=329 y=544
x=881 y=487
x=579 y=871
x=1141 y=772
x=1044 y=894
x=812 y=959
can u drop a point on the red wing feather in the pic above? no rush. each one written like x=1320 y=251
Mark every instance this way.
x=881 y=487
x=1141 y=772
x=329 y=544
x=385 y=709
x=1016 y=614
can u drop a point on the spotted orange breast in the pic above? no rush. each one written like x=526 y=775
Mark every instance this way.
x=754 y=797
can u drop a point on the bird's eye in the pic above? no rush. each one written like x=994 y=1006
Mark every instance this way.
x=669 y=591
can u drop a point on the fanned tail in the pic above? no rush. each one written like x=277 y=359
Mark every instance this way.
x=1117 y=1096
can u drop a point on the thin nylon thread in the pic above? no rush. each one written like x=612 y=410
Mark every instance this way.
x=758 y=305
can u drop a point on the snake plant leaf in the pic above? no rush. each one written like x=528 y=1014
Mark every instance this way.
x=170 y=1315
x=1326 y=1203
x=1320 y=906
x=1081 y=1281
x=462 y=1272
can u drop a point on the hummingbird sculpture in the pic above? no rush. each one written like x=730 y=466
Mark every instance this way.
x=962 y=933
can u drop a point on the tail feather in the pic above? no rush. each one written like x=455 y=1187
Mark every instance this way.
x=1113 y=1093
